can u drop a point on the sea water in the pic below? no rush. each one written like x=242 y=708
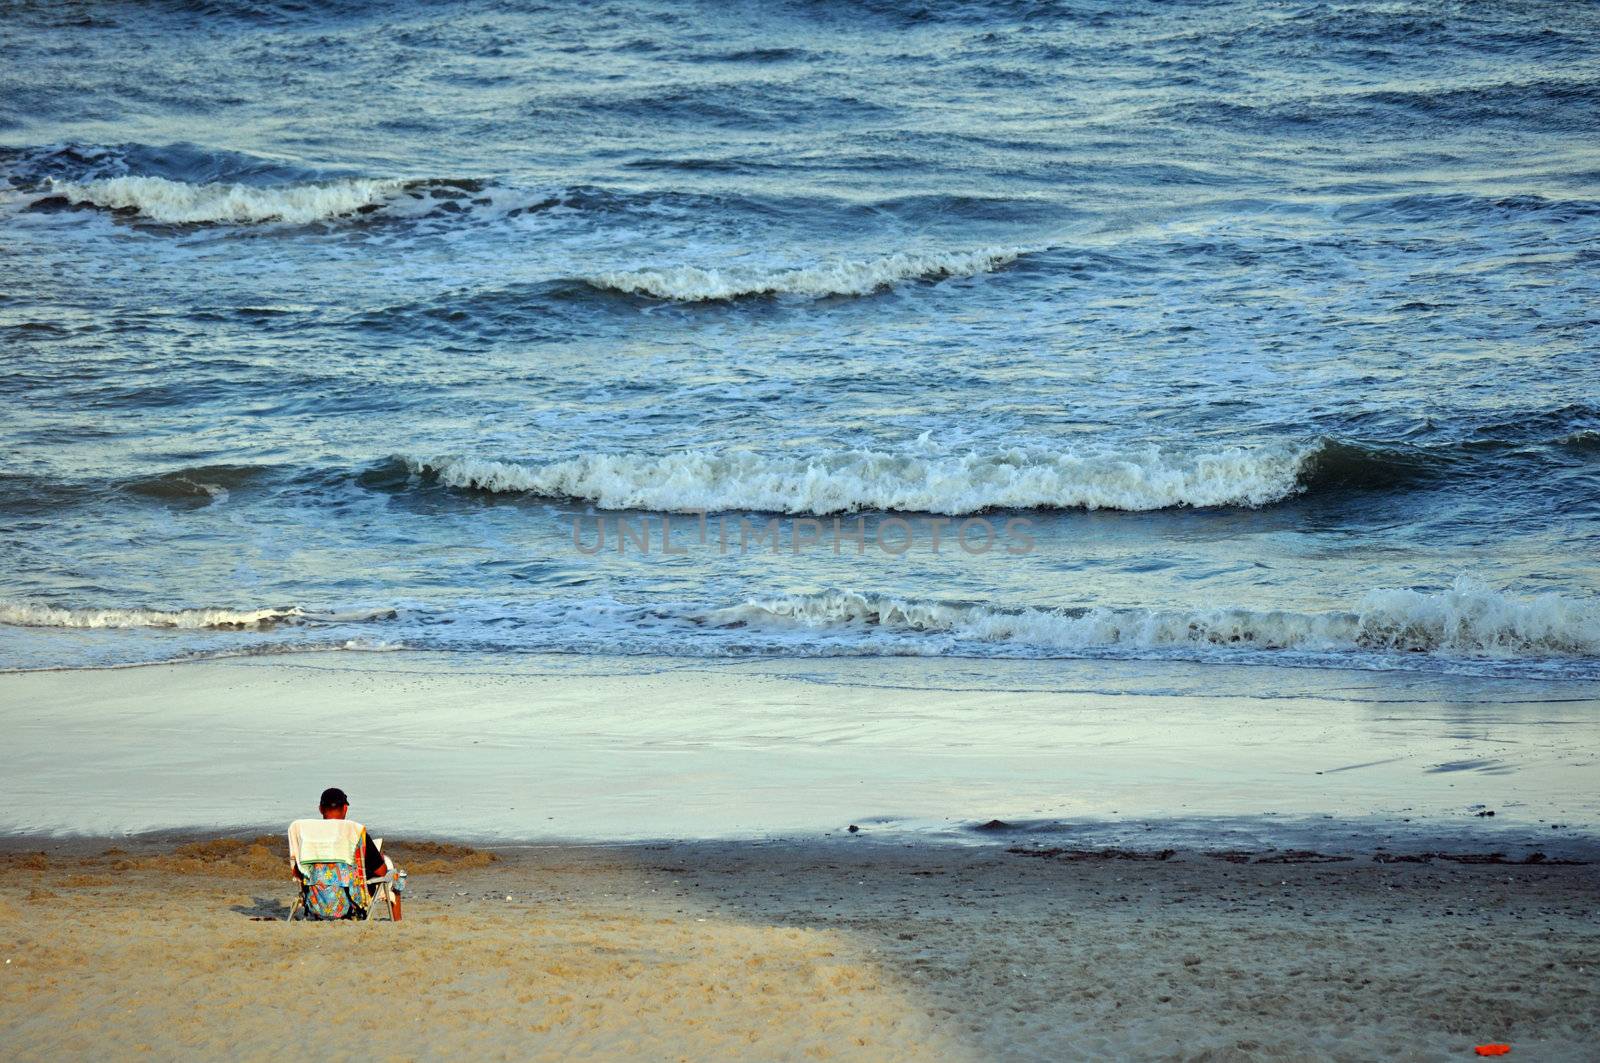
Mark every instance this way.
x=1232 y=333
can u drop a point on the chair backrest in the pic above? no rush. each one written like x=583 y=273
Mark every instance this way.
x=328 y=854
x=325 y=841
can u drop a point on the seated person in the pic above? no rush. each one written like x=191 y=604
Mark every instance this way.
x=335 y=805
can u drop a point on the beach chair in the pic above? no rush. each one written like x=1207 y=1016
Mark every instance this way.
x=333 y=883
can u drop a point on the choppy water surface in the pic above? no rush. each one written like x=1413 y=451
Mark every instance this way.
x=1251 y=334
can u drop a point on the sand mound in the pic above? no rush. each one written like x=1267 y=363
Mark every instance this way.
x=25 y=862
x=438 y=858
x=266 y=856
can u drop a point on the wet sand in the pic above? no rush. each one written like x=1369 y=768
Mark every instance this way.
x=625 y=749
x=840 y=949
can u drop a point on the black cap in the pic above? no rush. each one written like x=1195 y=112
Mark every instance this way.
x=332 y=797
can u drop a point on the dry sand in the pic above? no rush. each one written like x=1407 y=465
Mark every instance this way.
x=845 y=948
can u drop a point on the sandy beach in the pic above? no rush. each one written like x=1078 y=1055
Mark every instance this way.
x=653 y=862
x=844 y=949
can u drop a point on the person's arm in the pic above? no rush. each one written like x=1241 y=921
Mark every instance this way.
x=376 y=865
x=374 y=858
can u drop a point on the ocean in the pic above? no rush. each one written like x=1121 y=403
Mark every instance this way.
x=1241 y=335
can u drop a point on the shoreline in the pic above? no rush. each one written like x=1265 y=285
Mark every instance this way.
x=1238 y=841
x=799 y=951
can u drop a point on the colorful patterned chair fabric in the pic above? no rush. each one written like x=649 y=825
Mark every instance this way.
x=327 y=854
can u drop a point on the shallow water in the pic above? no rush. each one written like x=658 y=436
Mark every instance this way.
x=1233 y=335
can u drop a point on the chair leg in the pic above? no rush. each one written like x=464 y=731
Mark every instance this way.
x=383 y=894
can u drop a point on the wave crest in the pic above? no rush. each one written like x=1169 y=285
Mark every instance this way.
x=181 y=203
x=691 y=284
x=1469 y=618
x=19 y=614
x=848 y=481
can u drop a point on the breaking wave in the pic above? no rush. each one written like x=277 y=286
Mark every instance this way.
x=691 y=284
x=1469 y=618
x=915 y=480
x=1468 y=628
x=28 y=615
x=180 y=203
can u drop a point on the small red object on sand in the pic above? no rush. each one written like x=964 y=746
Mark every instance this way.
x=1492 y=1050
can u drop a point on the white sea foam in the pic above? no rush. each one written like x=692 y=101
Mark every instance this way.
x=1469 y=618
x=177 y=202
x=914 y=479
x=22 y=614
x=847 y=277
x=1465 y=628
